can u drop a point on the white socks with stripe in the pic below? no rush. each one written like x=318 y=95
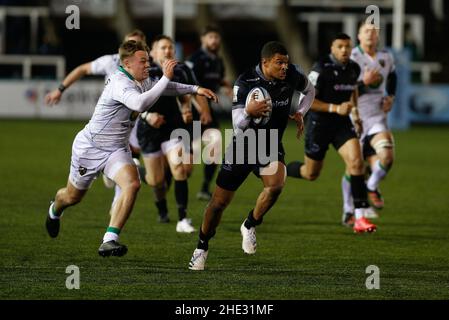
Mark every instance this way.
x=348 y=202
x=378 y=173
x=51 y=212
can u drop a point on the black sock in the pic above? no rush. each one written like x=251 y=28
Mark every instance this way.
x=251 y=221
x=168 y=178
x=181 y=196
x=209 y=170
x=162 y=207
x=142 y=173
x=203 y=242
x=359 y=191
x=293 y=169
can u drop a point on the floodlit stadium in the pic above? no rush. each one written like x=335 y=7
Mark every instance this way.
x=116 y=177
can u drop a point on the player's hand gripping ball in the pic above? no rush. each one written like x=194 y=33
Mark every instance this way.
x=260 y=94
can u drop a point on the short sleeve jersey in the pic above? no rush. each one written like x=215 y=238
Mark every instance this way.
x=105 y=65
x=334 y=82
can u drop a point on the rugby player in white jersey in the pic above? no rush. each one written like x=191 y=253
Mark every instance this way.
x=103 y=66
x=102 y=146
x=377 y=86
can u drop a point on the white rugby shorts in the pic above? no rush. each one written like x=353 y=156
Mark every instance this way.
x=88 y=162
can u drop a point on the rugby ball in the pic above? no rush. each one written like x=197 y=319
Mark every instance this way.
x=260 y=94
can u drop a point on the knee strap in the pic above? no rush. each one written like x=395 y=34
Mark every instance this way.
x=381 y=144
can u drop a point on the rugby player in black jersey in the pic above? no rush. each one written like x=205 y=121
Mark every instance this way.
x=283 y=82
x=335 y=80
x=209 y=69
x=159 y=148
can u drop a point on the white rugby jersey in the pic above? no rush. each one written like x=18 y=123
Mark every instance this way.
x=119 y=105
x=369 y=103
x=105 y=65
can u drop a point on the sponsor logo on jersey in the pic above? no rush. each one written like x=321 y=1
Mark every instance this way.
x=344 y=87
x=277 y=104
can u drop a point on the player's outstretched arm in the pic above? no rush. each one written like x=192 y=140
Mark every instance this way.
x=144 y=101
x=141 y=102
x=54 y=96
x=207 y=93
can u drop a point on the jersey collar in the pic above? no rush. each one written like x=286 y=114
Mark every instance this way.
x=260 y=74
x=126 y=73
x=335 y=61
x=211 y=55
x=360 y=49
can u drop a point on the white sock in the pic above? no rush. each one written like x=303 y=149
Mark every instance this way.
x=348 y=202
x=110 y=236
x=358 y=213
x=378 y=173
x=51 y=214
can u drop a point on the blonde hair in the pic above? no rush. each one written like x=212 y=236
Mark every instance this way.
x=136 y=32
x=128 y=48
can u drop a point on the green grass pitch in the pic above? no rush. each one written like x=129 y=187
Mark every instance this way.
x=303 y=251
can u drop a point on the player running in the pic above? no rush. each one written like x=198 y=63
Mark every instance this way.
x=154 y=131
x=102 y=146
x=335 y=80
x=377 y=87
x=209 y=69
x=103 y=66
x=282 y=81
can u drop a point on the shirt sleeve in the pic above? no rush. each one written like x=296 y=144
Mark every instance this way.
x=315 y=77
x=127 y=94
x=240 y=119
x=302 y=102
x=179 y=89
x=300 y=80
x=240 y=92
x=101 y=65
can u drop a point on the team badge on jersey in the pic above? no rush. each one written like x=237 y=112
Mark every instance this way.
x=82 y=170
